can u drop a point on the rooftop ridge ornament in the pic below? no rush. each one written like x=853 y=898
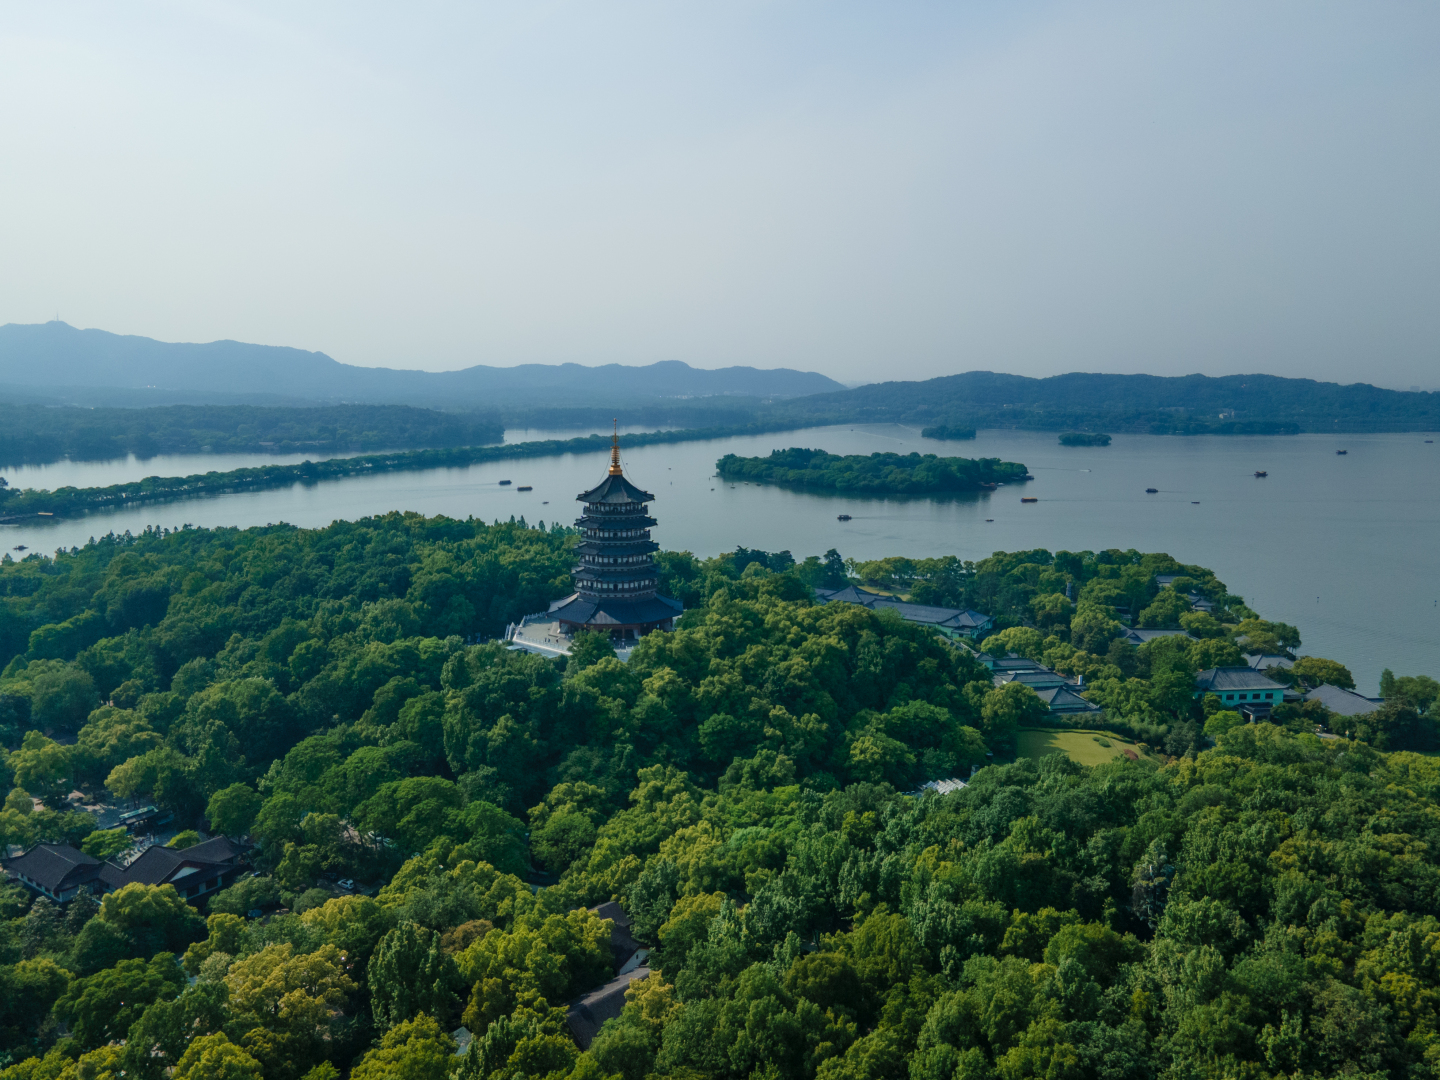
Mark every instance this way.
x=615 y=469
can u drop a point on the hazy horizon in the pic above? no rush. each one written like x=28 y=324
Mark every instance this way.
x=712 y=367
x=871 y=193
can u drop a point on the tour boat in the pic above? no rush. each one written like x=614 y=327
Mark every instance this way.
x=503 y=483
x=1030 y=500
x=1342 y=451
x=525 y=487
x=1152 y=491
x=1261 y=472
x=842 y=517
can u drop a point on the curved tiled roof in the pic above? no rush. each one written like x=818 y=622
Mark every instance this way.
x=1343 y=702
x=159 y=864
x=48 y=865
x=577 y=609
x=615 y=489
x=1234 y=678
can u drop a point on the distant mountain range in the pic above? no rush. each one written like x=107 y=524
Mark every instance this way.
x=56 y=361
x=1188 y=404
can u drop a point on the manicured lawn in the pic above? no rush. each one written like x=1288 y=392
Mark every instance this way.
x=1081 y=746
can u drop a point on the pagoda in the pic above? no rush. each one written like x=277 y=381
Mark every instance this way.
x=615 y=581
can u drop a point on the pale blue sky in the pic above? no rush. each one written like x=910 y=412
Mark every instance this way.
x=883 y=190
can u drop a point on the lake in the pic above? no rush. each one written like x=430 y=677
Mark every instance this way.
x=1344 y=547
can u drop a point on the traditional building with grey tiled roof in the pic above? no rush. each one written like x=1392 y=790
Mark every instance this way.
x=194 y=871
x=1139 y=637
x=1063 y=700
x=1037 y=679
x=1344 y=702
x=952 y=622
x=59 y=871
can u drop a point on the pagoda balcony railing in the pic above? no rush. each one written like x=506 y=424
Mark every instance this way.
x=585 y=573
x=616 y=508
x=638 y=588
x=629 y=520
x=615 y=534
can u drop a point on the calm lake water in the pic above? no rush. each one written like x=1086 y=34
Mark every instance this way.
x=1346 y=548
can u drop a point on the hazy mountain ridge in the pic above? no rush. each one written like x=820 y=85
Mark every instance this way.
x=1163 y=404
x=53 y=363
x=58 y=360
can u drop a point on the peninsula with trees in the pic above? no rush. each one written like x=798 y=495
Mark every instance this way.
x=38 y=433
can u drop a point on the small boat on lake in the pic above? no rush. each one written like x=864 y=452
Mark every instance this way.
x=1152 y=491
x=1342 y=452
x=842 y=517
x=525 y=487
x=1194 y=502
x=1031 y=499
x=504 y=483
x=21 y=547
x=1261 y=472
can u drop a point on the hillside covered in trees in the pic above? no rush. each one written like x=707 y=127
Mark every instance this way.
x=1259 y=907
x=37 y=433
x=1161 y=405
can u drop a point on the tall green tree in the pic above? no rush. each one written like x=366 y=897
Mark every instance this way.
x=409 y=975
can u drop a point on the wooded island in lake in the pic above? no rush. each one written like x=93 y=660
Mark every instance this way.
x=904 y=474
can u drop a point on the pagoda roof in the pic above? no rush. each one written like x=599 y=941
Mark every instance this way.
x=614 y=489
x=607 y=612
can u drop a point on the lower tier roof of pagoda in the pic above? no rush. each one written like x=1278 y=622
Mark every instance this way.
x=618 y=548
x=604 y=612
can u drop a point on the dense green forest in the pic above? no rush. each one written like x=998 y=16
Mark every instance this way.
x=1265 y=906
x=891 y=474
x=36 y=433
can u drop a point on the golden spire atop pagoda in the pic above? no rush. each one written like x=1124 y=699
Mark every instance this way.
x=615 y=469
